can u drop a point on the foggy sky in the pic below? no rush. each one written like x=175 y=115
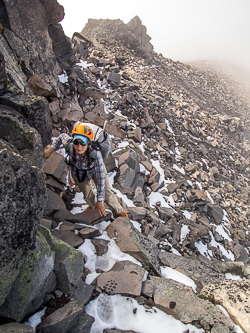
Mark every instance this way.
x=184 y=30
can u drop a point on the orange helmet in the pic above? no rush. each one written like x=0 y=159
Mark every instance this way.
x=85 y=130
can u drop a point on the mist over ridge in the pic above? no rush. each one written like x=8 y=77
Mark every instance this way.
x=183 y=31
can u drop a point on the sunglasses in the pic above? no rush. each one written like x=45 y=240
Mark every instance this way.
x=76 y=143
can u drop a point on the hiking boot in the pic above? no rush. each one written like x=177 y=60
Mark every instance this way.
x=124 y=214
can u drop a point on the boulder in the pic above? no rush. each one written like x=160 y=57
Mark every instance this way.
x=69 y=265
x=36 y=278
x=234 y=296
x=113 y=78
x=69 y=237
x=15 y=130
x=66 y=215
x=22 y=197
x=178 y=300
x=136 y=213
x=16 y=328
x=34 y=109
x=132 y=242
x=94 y=93
x=101 y=246
x=56 y=167
x=201 y=272
x=54 y=203
x=88 y=233
x=70 y=318
x=39 y=87
x=124 y=278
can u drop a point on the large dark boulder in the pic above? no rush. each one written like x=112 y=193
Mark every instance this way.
x=26 y=140
x=22 y=199
x=34 y=108
x=35 y=279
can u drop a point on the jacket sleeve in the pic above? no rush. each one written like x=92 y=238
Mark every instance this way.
x=62 y=139
x=100 y=176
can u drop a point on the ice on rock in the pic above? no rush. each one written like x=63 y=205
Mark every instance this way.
x=105 y=308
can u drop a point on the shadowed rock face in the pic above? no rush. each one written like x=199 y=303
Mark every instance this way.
x=26 y=36
x=22 y=198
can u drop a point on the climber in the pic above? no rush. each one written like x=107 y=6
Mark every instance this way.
x=85 y=168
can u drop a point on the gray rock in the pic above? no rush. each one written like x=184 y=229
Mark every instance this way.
x=34 y=109
x=64 y=214
x=54 y=185
x=124 y=278
x=127 y=176
x=46 y=223
x=68 y=237
x=153 y=177
x=69 y=264
x=15 y=130
x=120 y=121
x=16 y=328
x=216 y=212
x=114 y=78
x=147 y=288
x=8 y=61
x=101 y=246
x=162 y=230
x=135 y=134
x=139 y=199
x=220 y=328
x=22 y=198
x=136 y=213
x=39 y=87
x=110 y=162
x=54 y=203
x=70 y=318
x=35 y=279
x=240 y=253
x=94 y=93
x=202 y=273
x=88 y=232
x=56 y=167
x=165 y=213
x=132 y=242
x=61 y=44
x=179 y=301
x=92 y=216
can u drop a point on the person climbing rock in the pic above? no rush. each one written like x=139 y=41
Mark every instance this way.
x=85 y=168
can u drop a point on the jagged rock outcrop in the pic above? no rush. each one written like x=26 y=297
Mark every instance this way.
x=132 y=35
x=26 y=53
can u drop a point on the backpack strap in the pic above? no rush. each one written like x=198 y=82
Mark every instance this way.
x=69 y=145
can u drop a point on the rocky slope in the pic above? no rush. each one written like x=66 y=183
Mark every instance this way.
x=180 y=158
